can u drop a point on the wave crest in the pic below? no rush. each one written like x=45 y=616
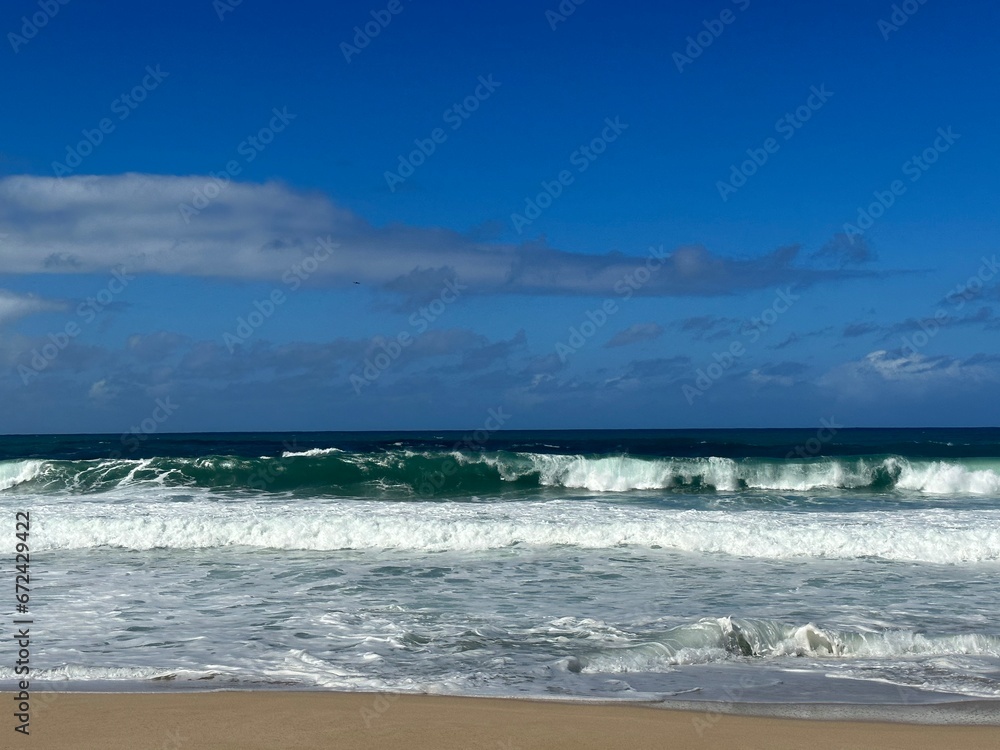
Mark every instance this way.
x=937 y=536
x=725 y=638
x=401 y=473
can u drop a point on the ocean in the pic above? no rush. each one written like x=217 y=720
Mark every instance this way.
x=830 y=566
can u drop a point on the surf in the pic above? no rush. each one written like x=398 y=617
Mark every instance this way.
x=426 y=474
x=201 y=522
x=725 y=638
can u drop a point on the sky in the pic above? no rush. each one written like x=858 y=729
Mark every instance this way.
x=226 y=216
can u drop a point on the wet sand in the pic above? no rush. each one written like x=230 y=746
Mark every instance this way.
x=273 y=719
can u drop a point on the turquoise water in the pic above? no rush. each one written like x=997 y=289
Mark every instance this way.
x=772 y=565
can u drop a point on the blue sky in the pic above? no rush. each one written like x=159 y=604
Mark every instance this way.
x=764 y=214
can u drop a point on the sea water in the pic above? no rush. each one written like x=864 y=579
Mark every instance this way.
x=856 y=566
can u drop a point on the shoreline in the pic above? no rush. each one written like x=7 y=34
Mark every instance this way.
x=968 y=711
x=318 y=719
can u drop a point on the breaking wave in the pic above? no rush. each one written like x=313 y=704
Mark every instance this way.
x=724 y=638
x=408 y=473
x=936 y=535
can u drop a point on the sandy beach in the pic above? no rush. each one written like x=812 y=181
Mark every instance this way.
x=250 y=720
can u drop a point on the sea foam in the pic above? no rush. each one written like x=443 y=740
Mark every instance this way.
x=938 y=536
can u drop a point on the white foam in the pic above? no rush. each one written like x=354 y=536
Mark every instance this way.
x=623 y=473
x=312 y=452
x=941 y=478
x=67 y=672
x=13 y=473
x=940 y=536
x=724 y=638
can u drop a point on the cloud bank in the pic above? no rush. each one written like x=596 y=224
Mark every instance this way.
x=191 y=226
x=14 y=306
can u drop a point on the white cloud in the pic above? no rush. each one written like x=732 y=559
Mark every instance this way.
x=910 y=371
x=635 y=333
x=86 y=224
x=14 y=306
x=101 y=390
x=758 y=377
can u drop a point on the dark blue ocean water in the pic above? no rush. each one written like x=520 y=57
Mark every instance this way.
x=757 y=443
